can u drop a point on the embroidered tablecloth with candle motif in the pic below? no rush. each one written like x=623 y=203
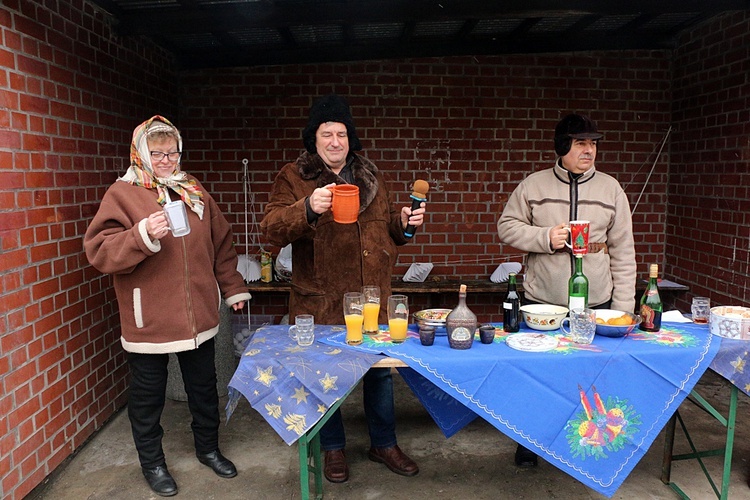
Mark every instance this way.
x=593 y=410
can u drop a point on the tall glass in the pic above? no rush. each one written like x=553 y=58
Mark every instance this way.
x=371 y=308
x=398 y=317
x=353 y=317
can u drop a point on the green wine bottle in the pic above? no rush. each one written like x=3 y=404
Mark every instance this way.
x=578 y=287
x=651 y=305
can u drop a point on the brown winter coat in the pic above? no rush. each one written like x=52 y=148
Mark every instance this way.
x=168 y=291
x=328 y=258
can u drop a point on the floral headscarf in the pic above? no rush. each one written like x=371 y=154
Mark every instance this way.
x=141 y=173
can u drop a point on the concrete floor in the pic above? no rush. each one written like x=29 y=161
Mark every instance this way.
x=475 y=463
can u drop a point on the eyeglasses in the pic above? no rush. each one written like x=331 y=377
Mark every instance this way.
x=158 y=156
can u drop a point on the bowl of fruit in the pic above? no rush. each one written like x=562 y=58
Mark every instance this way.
x=614 y=323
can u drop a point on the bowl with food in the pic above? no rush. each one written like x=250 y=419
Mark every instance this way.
x=434 y=318
x=614 y=323
x=543 y=317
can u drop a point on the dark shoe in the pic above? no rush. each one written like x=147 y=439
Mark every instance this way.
x=525 y=457
x=394 y=459
x=335 y=468
x=160 y=481
x=221 y=465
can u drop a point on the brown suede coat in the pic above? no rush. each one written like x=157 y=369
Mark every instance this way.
x=328 y=258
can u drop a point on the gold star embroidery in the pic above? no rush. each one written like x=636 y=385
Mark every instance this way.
x=739 y=365
x=256 y=393
x=295 y=349
x=273 y=410
x=258 y=340
x=300 y=395
x=747 y=387
x=328 y=382
x=265 y=377
x=322 y=409
x=333 y=352
x=296 y=423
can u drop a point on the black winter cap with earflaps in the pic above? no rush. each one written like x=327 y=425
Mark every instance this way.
x=572 y=127
x=330 y=108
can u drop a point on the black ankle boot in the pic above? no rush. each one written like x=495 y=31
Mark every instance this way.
x=160 y=480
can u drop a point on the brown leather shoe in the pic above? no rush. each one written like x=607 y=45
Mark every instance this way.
x=335 y=469
x=394 y=459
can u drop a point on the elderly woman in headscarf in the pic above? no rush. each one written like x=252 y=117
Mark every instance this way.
x=169 y=290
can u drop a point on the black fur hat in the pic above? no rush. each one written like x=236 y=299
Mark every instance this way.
x=574 y=127
x=330 y=108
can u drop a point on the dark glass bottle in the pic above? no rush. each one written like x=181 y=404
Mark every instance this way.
x=511 y=307
x=578 y=287
x=651 y=305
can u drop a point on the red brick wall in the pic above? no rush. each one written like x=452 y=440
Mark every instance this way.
x=472 y=126
x=71 y=94
x=709 y=192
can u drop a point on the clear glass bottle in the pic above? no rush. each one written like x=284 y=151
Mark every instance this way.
x=578 y=287
x=511 y=307
x=651 y=305
x=461 y=323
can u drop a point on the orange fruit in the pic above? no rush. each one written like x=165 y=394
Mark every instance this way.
x=599 y=321
x=619 y=321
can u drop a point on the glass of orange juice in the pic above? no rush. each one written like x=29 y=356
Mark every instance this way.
x=371 y=309
x=398 y=317
x=353 y=317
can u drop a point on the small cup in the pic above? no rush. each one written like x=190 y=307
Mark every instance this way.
x=582 y=323
x=427 y=335
x=486 y=334
x=177 y=218
x=303 y=329
x=345 y=203
x=701 y=309
x=579 y=237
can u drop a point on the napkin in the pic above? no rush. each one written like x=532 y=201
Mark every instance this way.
x=503 y=270
x=674 y=316
x=248 y=267
x=418 y=272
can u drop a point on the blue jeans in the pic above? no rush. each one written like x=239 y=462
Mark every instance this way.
x=377 y=391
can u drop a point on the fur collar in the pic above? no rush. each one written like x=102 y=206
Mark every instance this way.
x=311 y=166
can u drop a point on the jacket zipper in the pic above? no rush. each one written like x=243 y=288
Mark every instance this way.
x=188 y=297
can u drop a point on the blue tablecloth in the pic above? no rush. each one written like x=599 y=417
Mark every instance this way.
x=293 y=386
x=733 y=363
x=592 y=411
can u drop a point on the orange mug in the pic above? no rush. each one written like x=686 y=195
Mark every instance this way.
x=345 y=204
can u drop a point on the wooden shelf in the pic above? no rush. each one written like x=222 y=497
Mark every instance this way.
x=448 y=285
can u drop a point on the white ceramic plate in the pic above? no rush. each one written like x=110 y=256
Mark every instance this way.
x=531 y=342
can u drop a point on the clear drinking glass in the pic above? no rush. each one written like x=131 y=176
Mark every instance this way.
x=701 y=309
x=353 y=317
x=582 y=323
x=398 y=317
x=371 y=309
x=303 y=330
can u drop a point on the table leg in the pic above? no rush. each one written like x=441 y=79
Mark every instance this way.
x=726 y=451
x=308 y=446
x=666 y=464
x=731 y=420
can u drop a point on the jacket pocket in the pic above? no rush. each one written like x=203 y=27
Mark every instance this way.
x=137 y=308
